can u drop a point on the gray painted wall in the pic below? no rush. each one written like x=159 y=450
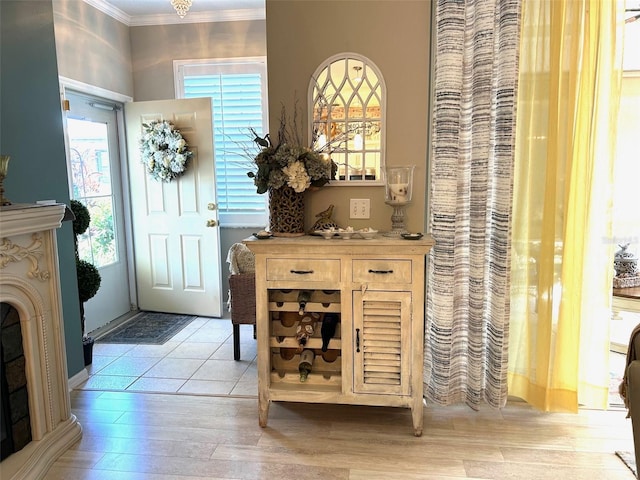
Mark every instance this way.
x=92 y=47
x=31 y=132
x=154 y=48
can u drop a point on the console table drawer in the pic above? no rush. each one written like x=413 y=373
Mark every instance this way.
x=382 y=271
x=312 y=270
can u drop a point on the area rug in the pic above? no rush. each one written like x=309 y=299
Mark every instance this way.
x=148 y=328
x=629 y=460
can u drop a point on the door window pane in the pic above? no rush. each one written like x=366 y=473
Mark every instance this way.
x=91 y=185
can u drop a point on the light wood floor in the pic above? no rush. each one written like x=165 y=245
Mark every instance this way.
x=133 y=436
x=186 y=411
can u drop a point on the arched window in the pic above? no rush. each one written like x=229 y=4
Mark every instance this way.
x=347 y=103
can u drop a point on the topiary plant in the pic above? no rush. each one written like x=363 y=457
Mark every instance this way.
x=82 y=220
x=89 y=278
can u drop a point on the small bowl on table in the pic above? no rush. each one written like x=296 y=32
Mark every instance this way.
x=411 y=236
x=345 y=234
x=326 y=234
x=367 y=234
x=262 y=235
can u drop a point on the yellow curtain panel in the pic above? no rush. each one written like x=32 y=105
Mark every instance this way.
x=562 y=248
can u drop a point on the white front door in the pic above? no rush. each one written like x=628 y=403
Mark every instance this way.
x=175 y=224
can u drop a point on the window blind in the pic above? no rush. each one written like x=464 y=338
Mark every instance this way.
x=238 y=104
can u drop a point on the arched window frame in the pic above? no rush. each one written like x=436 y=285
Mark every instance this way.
x=353 y=113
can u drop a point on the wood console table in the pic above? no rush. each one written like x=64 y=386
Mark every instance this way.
x=625 y=310
x=625 y=299
x=377 y=287
x=631 y=292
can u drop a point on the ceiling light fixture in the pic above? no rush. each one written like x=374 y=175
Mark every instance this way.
x=181 y=6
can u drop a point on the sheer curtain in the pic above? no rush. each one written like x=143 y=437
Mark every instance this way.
x=470 y=213
x=569 y=88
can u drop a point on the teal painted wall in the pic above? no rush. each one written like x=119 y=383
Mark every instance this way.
x=31 y=132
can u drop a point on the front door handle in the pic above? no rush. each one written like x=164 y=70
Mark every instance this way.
x=212 y=223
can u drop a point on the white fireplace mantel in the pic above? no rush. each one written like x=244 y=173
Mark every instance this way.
x=30 y=282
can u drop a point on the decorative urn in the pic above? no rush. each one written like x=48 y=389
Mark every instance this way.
x=625 y=262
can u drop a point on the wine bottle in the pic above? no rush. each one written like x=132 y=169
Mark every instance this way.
x=303 y=297
x=328 y=329
x=304 y=366
x=306 y=327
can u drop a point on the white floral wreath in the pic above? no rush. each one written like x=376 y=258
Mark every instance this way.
x=164 y=152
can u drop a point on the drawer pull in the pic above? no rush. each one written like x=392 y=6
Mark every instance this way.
x=301 y=272
x=380 y=271
x=357 y=340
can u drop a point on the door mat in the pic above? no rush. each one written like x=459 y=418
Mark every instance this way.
x=149 y=328
x=629 y=460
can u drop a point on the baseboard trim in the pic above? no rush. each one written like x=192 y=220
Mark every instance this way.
x=78 y=379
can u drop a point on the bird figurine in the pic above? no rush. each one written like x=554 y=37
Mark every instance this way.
x=262 y=141
x=324 y=221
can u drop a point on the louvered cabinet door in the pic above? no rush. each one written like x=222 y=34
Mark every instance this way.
x=382 y=342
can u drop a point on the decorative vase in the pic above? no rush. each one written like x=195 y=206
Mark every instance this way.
x=286 y=212
x=625 y=262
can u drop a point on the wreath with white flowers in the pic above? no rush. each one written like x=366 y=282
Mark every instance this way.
x=165 y=153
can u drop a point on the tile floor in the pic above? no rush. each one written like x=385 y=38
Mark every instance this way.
x=198 y=360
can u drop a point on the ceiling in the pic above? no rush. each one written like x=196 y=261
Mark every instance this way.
x=160 y=12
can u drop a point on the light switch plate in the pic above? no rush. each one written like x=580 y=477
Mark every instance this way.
x=359 y=208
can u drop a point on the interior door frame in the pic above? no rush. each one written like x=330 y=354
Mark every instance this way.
x=81 y=87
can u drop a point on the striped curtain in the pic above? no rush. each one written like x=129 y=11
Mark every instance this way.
x=476 y=71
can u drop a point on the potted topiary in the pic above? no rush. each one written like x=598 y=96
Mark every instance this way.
x=88 y=275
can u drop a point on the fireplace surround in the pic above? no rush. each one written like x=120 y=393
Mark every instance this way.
x=30 y=284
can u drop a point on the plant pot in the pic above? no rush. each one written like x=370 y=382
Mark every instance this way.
x=286 y=212
x=87 y=346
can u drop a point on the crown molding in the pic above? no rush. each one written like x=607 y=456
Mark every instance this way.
x=199 y=17
x=110 y=10
x=169 y=19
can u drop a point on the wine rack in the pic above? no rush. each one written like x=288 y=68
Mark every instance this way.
x=285 y=350
x=374 y=289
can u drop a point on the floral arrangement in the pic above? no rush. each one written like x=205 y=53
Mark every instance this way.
x=165 y=153
x=288 y=163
